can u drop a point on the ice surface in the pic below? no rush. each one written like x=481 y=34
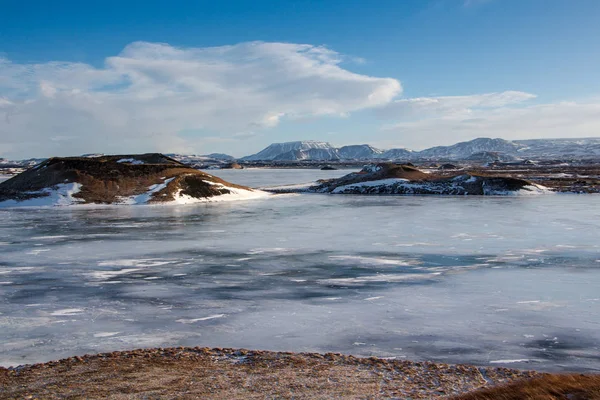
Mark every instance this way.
x=453 y=279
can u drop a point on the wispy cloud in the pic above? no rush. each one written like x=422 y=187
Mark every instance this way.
x=452 y=105
x=445 y=120
x=141 y=98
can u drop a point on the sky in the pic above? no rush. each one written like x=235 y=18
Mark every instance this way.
x=227 y=76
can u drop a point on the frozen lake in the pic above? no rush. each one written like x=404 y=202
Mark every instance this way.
x=490 y=281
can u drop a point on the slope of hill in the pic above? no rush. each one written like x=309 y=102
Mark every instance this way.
x=124 y=179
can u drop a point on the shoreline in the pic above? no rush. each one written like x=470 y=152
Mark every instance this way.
x=225 y=373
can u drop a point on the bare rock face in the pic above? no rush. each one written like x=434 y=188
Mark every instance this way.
x=124 y=179
x=388 y=178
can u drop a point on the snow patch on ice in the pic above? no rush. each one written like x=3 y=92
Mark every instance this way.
x=372 y=260
x=191 y=321
x=105 y=334
x=103 y=275
x=67 y=312
x=519 y=360
x=379 y=278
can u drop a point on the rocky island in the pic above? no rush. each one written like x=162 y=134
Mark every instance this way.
x=118 y=179
x=405 y=179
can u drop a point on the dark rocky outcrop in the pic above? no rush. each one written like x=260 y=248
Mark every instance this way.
x=388 y=178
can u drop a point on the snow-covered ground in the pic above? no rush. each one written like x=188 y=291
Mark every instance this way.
x=60 y=195
x=145 y=197
x=234 y=194
x=404 y=186
x=492 y=281
x=132 y=161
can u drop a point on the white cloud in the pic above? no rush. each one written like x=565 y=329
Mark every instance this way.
x=140 y=99
x=446 y=120
x=452 y=105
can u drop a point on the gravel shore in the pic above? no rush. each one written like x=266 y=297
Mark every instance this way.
x=203 y=373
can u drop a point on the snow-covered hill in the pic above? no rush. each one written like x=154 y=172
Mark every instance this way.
x=463 y=150
x=293 y=151
x=359 y=152
x=398 y=154
x=560 y=148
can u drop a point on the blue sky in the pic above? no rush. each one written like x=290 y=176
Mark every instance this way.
x=114 y=76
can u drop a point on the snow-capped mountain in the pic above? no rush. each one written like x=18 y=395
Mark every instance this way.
x=359 y=152
x=309 y=154
x=463 y=150
x=292 y=151
x=505 y=149
x=397 y=154
x=220 y=156
x=560 y=148
x=193 y=159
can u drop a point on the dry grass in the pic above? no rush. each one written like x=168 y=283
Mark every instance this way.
x=548 y=387
x=202 y=373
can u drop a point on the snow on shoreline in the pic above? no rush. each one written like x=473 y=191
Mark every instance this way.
x=234 y=195
x=399 y=186
x=62 y=195
x=59 y=195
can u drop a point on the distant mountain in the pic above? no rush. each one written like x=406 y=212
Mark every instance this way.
x=359 y=152
x=197 y=160
x=463 y=150
x=4 y=163
x=483 y=148
x=219 y=156
x=560 y=148
x=293 y=151
x=398 y=154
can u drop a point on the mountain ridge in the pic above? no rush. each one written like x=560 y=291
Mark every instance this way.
x=578 y=148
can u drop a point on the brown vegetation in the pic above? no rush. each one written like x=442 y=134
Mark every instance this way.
x=105 y=180
x=202 y=373
x=547 y=387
